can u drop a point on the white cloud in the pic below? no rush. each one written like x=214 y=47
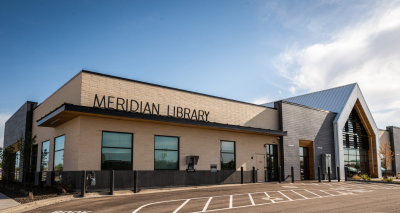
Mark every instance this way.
x=366 y=52
x=3 y=119
x=262 y=100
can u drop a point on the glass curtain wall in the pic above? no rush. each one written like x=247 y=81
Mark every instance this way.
x=355 y=146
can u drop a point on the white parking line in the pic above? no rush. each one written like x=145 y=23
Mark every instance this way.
x=181 y=206
x=327 y=193
x=208 y=203
x=313 y=193
x=251 y=199
x=300 y=194
x=339 y=189
x=285 y=196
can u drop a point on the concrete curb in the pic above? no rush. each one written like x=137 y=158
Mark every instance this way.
x=37 y=204
x=372 y=181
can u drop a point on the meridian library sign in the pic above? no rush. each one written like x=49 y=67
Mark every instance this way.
x=131 y=105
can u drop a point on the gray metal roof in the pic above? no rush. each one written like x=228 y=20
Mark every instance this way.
x=332 y=100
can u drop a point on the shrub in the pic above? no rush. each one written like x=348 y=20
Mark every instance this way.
x=356 y=177
x=368 y=178
x=389 y=180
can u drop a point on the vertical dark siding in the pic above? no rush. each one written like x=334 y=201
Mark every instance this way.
x=305 y=123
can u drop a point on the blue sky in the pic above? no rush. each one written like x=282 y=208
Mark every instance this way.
x=253 y=51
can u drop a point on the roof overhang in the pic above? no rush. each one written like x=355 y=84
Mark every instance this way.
x=67 y=112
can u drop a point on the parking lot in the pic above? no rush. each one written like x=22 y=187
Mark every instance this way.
x=262 y=197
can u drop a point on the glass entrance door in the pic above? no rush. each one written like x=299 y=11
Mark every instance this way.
x=272 y=162
x=304 y=163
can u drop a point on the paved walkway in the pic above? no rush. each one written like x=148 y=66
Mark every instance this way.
x=6 y=202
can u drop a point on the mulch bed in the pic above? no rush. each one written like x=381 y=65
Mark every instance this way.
x=16 y=192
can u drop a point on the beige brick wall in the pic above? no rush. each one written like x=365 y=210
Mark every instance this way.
x=193 y=141
x=72 y=132
x=83 y=134
x=69 y=93
x=221 y=111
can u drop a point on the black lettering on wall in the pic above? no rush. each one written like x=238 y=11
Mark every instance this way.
x=126 y=104
x=186 y=112
x=122 y=104
x=137 y=106
x=110 y=102
x=179 y=111
x=194 y=115
x=201 y=112
x=207 y=113
x=103 y=101
x=157 y=109
x=140 y=107
x=147 y=108
x=174 y=111
x=168 y=110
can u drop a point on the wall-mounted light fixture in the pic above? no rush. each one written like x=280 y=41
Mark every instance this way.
x=319 y=147
x=291 y=145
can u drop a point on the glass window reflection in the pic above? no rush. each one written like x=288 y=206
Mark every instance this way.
x=166 y=152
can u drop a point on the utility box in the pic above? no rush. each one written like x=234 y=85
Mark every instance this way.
x=191 y=162
x=213 y=167
x=326 y=162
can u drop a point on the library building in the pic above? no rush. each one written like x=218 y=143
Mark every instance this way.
x=163 y=136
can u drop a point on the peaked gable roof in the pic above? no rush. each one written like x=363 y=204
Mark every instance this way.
x=332 y=100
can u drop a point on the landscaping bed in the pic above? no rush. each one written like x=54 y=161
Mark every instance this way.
x=39 y=192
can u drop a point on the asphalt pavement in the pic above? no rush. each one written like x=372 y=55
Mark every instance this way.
x=260 y=197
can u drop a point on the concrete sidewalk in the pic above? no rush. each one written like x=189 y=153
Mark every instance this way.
x=6 y=202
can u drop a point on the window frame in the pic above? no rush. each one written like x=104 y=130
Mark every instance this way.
x=41 y=156
x=154 y=153
x=101 y=149
x=234 y=154
x=54 y=152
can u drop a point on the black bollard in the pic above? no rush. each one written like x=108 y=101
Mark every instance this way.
x=83 y=185
x=241 y=175
x=112 y=182
x=279 y=174
x=254 y=174
x=338 y=174
x=292 y=175
x=135 y=181
x=319 y=174
x=345 y=173
x=329 y=174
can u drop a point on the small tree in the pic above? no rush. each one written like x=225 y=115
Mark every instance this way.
x=25 y=148
x=8 y=156
x=386 y=155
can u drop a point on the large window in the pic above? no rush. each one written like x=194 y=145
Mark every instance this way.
x=16 y=174
x=166 y=152
x=116 y=151
x=228 y=155
x=355 y=146
x=59 y=153
x=45 y=156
